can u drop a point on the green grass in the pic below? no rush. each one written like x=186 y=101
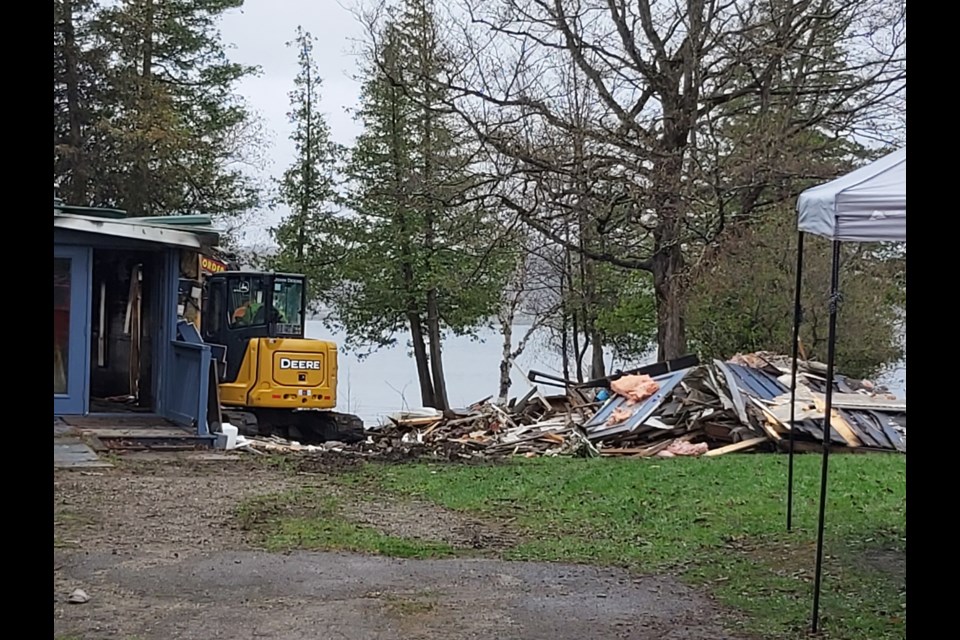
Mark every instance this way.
x=304 y=519
x=717 y=522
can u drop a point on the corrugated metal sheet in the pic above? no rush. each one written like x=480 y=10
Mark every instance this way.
x=757 y=383
x=597 y=427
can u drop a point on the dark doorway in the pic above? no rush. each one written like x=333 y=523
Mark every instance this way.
x=123 y=320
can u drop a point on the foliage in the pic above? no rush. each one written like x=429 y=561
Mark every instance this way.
x=687 y=117
x=309 y=185
x=417 y=253
x=628 y=322
x=145 y=114
x=744 y=299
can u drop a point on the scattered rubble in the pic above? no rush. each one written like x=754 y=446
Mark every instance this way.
x=672 y=409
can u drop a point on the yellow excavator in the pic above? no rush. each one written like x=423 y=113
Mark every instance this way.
x=273 y=380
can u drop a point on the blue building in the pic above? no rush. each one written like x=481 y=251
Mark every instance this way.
x=121 y=288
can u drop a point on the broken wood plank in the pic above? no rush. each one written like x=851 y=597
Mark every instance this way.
x=737 y=446
x=526 y=377
x=765 y=424
x=655 y=449
x=838 y=423
x=414 y=422
x=523 y=402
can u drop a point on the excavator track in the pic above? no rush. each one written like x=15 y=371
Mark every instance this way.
x=305 y=426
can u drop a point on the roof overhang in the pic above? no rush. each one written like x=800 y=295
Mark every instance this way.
x=144 y=232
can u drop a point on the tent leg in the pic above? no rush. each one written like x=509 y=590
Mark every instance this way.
x=793 y=378
x=827 y=412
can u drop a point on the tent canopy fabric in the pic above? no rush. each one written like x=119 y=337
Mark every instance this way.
x=867 y=205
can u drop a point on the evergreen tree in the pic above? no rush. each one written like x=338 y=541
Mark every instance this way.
x=159 y=128
x=418 y=255
x=309 y=185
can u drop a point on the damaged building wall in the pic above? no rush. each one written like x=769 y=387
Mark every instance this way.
x=122 y=323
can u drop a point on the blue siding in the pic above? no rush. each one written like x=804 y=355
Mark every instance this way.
x=180 y=369
x=759 y=384
x=77 y=399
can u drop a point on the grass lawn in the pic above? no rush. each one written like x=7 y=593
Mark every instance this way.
x=716 y=522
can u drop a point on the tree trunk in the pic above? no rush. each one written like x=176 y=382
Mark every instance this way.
x=668 y=261
x=506 y=328
x=420 y=356
x=671 y=329
x=140 y=194
x=436 y=356
x=76 y=187
x=597 y=365
x=589 y=307
x=565 y=345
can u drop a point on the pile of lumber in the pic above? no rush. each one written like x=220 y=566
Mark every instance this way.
x=536 y=425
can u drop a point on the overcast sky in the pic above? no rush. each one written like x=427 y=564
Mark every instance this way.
x=258 y=34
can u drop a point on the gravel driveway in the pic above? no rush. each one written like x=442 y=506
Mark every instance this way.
x=155 y=549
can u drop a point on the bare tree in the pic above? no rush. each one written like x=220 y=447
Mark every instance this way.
x=702 y=113
x=530 y=300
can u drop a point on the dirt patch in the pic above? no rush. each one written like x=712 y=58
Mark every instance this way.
x=889 y=561
x=160 y=507
x=445 y=453
x=426 y=521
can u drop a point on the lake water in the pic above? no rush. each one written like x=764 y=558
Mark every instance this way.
x=386 y=380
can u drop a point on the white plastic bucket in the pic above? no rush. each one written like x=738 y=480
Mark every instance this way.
x=230 y=433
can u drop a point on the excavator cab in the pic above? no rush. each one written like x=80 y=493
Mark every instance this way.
x=245 y=305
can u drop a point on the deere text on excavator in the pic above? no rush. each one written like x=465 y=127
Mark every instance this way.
x=273 y=380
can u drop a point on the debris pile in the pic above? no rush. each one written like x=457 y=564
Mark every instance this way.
x=669 y=409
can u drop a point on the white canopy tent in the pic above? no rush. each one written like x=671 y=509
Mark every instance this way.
x=866 y=205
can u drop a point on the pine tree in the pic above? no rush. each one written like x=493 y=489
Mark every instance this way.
x=419 y=256
x=163 y=131
x=309 y=185
x=79 y=68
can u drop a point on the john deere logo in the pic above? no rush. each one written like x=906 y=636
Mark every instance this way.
x=287 y=363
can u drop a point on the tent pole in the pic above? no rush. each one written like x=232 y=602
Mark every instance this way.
x=793 y=378
x=827 y=412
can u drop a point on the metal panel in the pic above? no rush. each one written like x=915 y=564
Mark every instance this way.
x=863 y=427
x=76 y=400
x=187 y=385
x=757 y=383
x=597 y=427
x=734 y=390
